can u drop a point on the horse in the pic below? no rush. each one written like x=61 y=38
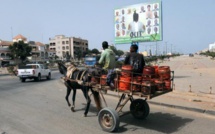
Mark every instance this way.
x=80 y=79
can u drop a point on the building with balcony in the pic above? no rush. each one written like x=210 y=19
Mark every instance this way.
x=40 y=51
x=70 y=45
x=5 y=52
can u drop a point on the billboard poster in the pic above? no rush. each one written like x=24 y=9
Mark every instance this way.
x=138 y=23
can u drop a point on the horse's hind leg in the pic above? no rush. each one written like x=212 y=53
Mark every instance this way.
x=67 y=96
x=73 y=100
x=85 y=92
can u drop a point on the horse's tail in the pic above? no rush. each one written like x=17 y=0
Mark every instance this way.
x=97 y=99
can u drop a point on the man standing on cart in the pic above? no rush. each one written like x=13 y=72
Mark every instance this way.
x=108 y=60
x=135 y=59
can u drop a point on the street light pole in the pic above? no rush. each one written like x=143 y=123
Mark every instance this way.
x=156 y=48
x=171 y=48
x=166 y=48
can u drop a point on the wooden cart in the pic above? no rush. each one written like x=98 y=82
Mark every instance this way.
x=109 y=118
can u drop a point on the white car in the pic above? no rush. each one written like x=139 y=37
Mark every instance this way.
x=34 y=71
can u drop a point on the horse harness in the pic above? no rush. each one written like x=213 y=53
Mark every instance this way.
x=79 y=77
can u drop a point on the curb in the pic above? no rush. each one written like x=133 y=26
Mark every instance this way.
x=208 y=112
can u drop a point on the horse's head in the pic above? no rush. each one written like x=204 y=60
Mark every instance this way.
x=62 y=68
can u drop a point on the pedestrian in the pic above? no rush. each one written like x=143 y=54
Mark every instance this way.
x=108 y=61
x=135 y=59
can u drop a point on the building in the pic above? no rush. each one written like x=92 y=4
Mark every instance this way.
x=212 y=47
x=40 y=51
x=5 y=52
x=70 y=45
x=20 y=37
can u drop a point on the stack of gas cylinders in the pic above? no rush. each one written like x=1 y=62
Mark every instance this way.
x=153 y=78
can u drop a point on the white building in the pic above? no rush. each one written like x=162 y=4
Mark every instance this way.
x=5 y=52
x=212 y=47
x=71 y=45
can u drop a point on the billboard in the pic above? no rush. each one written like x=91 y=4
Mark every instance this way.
x=138 y=23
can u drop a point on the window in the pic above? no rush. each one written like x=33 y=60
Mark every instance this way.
x=67 y=47
x=63 y=48
x=67 y=42
x=63 y=42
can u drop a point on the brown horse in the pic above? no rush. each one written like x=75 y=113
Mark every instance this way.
x=80 y=79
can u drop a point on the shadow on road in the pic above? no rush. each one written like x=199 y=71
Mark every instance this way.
x=42 y=80
x=178 y=77
x=161 y=122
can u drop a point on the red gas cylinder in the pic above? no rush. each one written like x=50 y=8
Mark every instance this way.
x=160 y=84
x=136 y=83
x=149 y=71
x=164 y=72
x=148 y=87
x=124 y=83
x=126 y=70
x=156 y=71
x=103 y=80
x=167 y=84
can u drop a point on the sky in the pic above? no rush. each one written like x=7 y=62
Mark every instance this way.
x=188 y=25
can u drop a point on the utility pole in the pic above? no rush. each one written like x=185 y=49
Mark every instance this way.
x=156 y=48
x=166 y=48
x=12 y=33
x=171 y=48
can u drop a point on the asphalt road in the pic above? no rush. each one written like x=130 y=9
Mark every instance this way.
x=40 y=108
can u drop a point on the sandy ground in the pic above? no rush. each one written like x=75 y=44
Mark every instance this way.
x=195 y=74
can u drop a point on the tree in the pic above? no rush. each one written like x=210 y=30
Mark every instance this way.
x=120 y=52
x=56 y=57
x=114 y=49
x=87 y=52
x=78 y=53
x=95 y=51
x=117 y=52
x=67 y=56
x=20 y=50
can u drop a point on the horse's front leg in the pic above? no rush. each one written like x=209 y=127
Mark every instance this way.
x=67 y=95
x=87 y=97
x=73 y=100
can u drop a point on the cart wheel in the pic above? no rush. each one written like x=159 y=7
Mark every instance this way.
x=108 y=119
x=139 y=108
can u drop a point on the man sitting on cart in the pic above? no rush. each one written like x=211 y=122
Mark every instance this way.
x=135 y=59
x=108 y=60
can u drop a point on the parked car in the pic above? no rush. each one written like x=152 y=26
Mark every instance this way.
x=191 y=55
x=6 y=65
x=34 y=71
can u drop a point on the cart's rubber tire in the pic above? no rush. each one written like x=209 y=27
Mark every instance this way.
x=139 y=108
x=49 y=76
x=108 y=119
x=22 y=79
